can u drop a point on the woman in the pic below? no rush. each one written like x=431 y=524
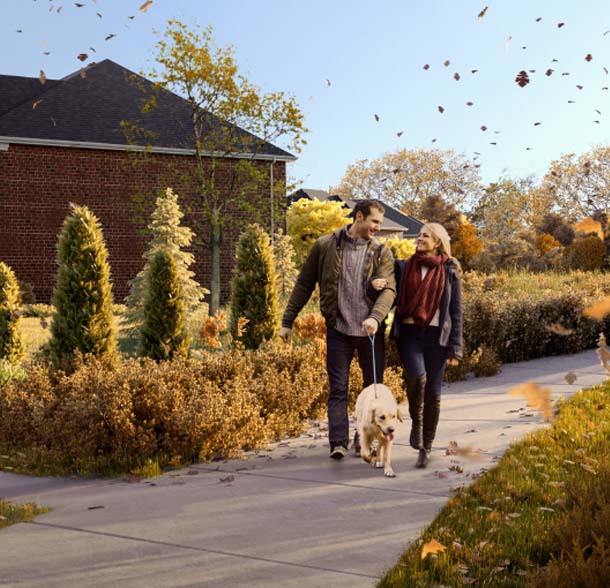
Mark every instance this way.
x=428 y=329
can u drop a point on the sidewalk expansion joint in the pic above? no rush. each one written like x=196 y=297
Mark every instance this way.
x=202 y=549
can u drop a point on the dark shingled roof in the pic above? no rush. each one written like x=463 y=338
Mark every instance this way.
x=90 y=109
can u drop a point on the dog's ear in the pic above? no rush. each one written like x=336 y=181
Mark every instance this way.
x=399 y=415
x=371 y=415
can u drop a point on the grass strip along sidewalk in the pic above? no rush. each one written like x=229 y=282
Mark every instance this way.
x=540 y=518
x=18 y=513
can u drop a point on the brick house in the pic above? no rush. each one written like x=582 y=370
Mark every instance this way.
x=62 y=142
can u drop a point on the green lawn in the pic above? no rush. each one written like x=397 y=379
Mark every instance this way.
x=535 y=505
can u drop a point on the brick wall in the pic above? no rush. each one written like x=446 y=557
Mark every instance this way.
x=38 y=183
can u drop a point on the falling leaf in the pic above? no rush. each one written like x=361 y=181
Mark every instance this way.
x=456 y=76
x=558 y=329
x=539 y=19
x=537 y=397
x=482 y=14
x=537 y=124
x=376 y=117
x=483 y=128
x=446 y=63
x=99 y=14
x=570 y=378
x=399 y=133
x=549 y=72
x=441 y=109
x=507 y=42
x=328 y=82
x=42 y=77
x=469 y=103
x=474 y=71
x=82 y=57
x=146 y=5
x=432 y=546
x=522 y=78
x=78 y=5
x=427 y=66
x=598 y=310
x=588 y=57
x=560 y=24
x=579 y=86
x=110 y=36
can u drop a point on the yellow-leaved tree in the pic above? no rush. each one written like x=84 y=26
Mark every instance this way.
x=228 y=124
x=306 y=220
x=405 y=178
x=401 y=248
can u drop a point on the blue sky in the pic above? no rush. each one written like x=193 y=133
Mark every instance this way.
x=373 y=54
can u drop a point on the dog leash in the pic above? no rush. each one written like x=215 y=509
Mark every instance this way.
x=372 y=340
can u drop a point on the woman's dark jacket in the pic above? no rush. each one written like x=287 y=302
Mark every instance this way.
x=450 y=309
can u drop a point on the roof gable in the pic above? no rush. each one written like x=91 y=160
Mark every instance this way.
x=89 y=108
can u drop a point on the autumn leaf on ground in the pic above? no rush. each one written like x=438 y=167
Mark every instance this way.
x=537 y=397
x=227 y=479
x=482 y=13
x=522 y=78
x=559 y=329
x=598 y=310
x=570 y=378
x=432 y=546
x=146 y=5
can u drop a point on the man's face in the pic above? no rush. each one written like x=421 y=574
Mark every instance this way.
x=367 y=227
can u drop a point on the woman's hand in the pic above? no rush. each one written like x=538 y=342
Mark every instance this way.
x=379 y=283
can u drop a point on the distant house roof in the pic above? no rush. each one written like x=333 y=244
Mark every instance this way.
x=87 y=111
x=394 y=221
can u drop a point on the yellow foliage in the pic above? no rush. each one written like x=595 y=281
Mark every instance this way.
x=401 y=248
x=306 y=220
x=589 y=226
x=546 y=242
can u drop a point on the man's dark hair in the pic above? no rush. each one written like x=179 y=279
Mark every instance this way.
x=364 y=206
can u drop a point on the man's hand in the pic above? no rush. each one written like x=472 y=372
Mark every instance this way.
x=370 y=325
x=453 y=361
x=284 y=334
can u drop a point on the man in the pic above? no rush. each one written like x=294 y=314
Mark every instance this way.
x=343 y=263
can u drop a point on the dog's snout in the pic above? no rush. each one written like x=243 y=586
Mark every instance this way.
x=390 y=429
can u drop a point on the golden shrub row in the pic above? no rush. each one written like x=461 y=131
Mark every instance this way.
x=102 y=418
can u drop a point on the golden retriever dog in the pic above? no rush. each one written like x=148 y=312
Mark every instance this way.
x=376 y=420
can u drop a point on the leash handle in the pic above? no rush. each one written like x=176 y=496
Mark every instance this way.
x=372 y=340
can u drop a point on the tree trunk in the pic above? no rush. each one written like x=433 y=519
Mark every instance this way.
x=215 y=246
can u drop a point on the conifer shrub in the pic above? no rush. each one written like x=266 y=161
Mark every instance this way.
x=254 y=295
x=83 y=293
x=167 y=234
x=286 y=268
x=163 y=334
x=11 y=339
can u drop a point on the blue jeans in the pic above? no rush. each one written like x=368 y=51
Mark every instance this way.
x=421 y=354
x=340 y=350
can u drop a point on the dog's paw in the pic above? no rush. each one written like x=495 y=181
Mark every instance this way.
x=378 y=464
x=366 y=456
x=389 y=473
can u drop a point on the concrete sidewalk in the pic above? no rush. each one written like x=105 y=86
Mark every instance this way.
x=288 y=516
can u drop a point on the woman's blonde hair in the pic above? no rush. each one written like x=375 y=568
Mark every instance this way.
x=441 y=234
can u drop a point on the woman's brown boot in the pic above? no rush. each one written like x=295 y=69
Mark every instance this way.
x=415 y=396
